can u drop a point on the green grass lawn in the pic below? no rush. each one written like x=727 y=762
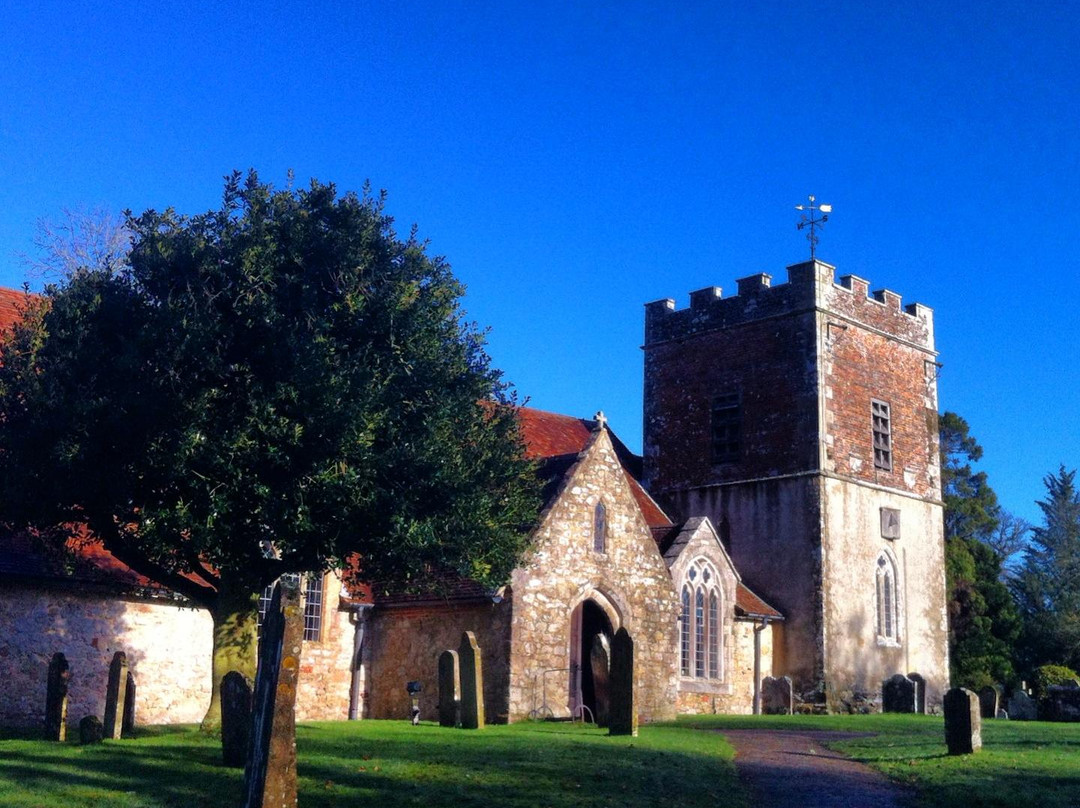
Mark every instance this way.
x=389 y=764
x=1021 y=763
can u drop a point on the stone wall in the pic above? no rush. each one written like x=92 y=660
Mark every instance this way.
x=168 y=650
x=856 y=659
x=326 y=666
x=771 y=529
x=799 y=511
x=403 y=643
x=629 y=581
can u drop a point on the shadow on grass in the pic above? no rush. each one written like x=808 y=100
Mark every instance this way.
x=384 y=763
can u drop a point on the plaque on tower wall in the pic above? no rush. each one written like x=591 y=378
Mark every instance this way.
x=890 y=523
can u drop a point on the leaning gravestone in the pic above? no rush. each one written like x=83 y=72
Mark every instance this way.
x=56 y=696
x=127 y=726
x=600 y=664
x=449 y=688
x=963 y=722
x=472 y=682
x=776 y=695
x=989 y=699
x=622 y=711
x=1021 y=707
x=115 y=695
x=235 y=718
x=90 y=730
x=898 y=695
x=920 y=692
x=270 y=773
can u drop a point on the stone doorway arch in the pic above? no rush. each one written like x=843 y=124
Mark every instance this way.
x=588 y=619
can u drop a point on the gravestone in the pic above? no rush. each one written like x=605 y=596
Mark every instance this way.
x=600 y=663
x=270 y=773
x=1004 y=716
x=898 y=695
x=449 y=689
x=471 y=673
x=1021 y=707
x=127 y=726
x=989 y=700
x=622 y=710
x=963 y=722
x=91 y=730
x=920 y=692
x=776 y=695
x=235 y=718
x=56 y=698
x=1062 y=703
x=115 y=695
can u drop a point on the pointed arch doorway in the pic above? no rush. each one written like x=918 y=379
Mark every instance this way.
x=587 y=620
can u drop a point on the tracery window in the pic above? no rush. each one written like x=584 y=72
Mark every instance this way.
x=701 y=625
x=888 y=609
x=600 y=528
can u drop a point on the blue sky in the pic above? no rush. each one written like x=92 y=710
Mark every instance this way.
x=574 y=161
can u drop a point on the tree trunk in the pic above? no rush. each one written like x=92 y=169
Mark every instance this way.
x=235 y=618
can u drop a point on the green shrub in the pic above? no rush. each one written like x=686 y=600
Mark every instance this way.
x=1051 y=675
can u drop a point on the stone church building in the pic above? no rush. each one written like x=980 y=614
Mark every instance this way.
x=785 y=519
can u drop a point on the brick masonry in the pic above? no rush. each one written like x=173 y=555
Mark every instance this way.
x=799 y=510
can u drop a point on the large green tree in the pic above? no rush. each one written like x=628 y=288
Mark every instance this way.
x=983 y=620
x=269 y=387
x=1047 y=585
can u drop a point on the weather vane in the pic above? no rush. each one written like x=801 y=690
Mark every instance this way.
x=808 y=220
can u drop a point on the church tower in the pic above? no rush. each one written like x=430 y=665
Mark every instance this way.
x=801 y=418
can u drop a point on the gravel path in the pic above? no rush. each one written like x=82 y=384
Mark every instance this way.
x=793 y=769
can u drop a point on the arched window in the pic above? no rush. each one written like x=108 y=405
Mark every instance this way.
x=888 y=609
x=600 y=528
x=702 y=626
x=714 y=636
x=699 y=633
x=685 y=632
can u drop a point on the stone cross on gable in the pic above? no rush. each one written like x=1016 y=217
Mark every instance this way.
x=601 y=420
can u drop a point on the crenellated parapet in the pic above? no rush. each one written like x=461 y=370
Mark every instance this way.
x=810 y=286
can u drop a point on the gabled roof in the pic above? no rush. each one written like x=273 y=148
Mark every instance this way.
x=555 y=443
x=556 y=440
x=674 y=539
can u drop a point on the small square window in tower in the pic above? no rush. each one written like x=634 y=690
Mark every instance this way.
x=881 y=425
x=726 y=429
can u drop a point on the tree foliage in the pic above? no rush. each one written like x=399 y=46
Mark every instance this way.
x=1047 y=586
x=983 y=620
x=284 y=372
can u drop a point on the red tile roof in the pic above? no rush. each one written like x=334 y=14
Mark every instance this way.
x=747 y=604
x=11 y=303
x=548 y=436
